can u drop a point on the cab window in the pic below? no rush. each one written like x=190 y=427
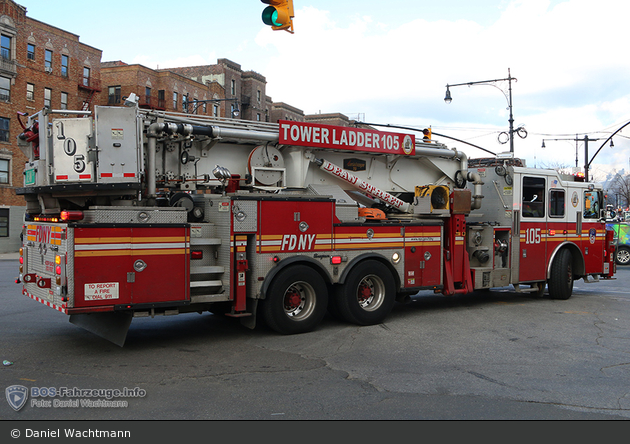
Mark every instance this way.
x=591 y=205
x=556 y=203
x=533 y=197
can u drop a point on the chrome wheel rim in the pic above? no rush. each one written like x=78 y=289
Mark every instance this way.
x=299 y=300
x=371 y=292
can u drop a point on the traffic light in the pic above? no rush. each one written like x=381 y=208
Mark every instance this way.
x=427 y=135
x=279 y=14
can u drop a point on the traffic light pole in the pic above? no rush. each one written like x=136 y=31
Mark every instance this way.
x=433 y=132
x=588 y=162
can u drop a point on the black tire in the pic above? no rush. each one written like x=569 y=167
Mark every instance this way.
x=368 y=295
x=561 y=279
x=296 y=300
x=622 y=255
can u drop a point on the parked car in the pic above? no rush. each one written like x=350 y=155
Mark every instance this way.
x=621 y=240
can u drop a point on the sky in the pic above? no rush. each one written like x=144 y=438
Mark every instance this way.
x=389 y=63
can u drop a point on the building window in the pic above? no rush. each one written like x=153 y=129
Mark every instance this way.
x=233 y=87
x=5 y=89
x=30 y=91
x=4 y=222
x=5 y=47
x=64 y=65
x=204 y=108
x=185 y=103
x=175 y=99
x=258 y=96
x=64 y=100
x=4 y=129
x=147 y=93
x=556 y=203
x=161 y=101
x=258 y=117
x=47 y=97
x=30 y=52
x=4 y=171
x=86 y=76
x=113 y=97
x=215 y=110
x=48 y=60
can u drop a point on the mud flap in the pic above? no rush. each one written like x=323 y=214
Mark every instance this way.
x=250 y=321
x=110 y=326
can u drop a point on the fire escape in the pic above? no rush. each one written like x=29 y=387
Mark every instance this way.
x=90 y=88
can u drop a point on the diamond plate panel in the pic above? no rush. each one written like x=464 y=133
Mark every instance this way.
x=135 y=215
x=245 y=213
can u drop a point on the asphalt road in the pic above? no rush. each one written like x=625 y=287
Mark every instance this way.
x=485 y=356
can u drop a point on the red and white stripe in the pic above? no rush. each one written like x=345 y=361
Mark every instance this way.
x=62 y=309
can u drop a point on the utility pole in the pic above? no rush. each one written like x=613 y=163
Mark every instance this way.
x=586 y=140
x=587 y=163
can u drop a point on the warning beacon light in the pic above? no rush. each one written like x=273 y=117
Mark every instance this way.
x=278 y=15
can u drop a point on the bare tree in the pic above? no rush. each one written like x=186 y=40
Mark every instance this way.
x=597 y=175
x=620 y=187
x=560 y=167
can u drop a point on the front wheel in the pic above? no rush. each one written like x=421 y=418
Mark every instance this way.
x=561 y=279
x=296 y=300
x=622 y=255
x=368 y=295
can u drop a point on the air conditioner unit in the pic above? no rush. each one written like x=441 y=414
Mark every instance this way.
x=48 y=69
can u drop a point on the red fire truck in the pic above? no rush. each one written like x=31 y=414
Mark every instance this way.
x=136 y=213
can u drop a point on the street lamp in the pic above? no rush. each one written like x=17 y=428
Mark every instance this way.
x=448 y=99
x=520 y=131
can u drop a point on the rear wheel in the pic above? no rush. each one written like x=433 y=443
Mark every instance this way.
x=561 y=279
x=622 y=255
x=296 y=300
x=368 y=295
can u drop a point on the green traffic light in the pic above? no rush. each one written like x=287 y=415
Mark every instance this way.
x=270 y=16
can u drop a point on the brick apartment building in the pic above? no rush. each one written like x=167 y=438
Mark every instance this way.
x=220 y=90
x=40 y=65
x=244 y=91
x=161 y=90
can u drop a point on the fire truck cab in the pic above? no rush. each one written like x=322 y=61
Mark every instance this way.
x=549 y=228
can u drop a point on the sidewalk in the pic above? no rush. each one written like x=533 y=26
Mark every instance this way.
x=9 y=256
